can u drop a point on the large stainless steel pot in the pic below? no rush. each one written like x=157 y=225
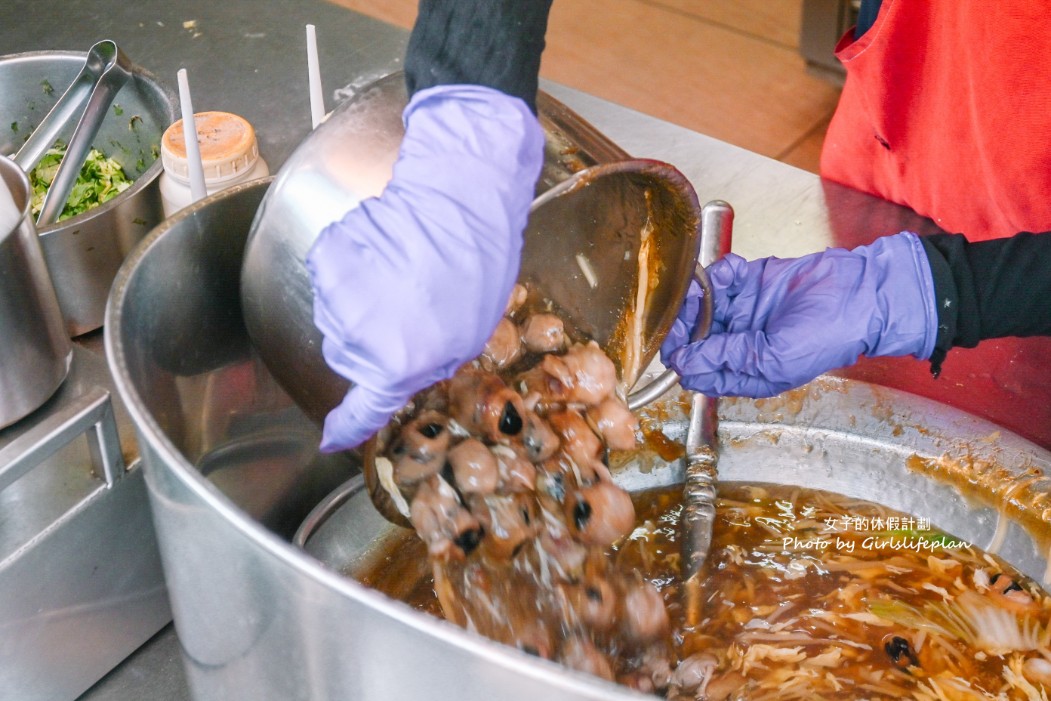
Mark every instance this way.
x=227 y=456
x=36 y=352
x=84 y=252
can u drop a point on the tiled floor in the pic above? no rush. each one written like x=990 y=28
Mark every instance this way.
x=727 y=68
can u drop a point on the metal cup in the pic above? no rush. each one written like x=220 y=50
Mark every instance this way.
x=35 y=352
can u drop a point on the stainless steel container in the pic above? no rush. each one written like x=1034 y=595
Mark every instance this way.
x=36 y=352
x=594 y=201
x=84 y=252
x=227 y=457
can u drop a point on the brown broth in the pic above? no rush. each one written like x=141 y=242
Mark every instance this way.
x=805 y=591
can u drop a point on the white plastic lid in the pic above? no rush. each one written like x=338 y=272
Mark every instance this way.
x=227 y=142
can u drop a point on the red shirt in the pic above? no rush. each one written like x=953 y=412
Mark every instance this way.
x=947 y=109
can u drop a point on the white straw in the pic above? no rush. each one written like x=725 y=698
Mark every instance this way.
x=317 y=100
x=189 y=132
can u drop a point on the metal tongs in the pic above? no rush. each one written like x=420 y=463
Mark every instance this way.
x=702 y=449
x=105 y=72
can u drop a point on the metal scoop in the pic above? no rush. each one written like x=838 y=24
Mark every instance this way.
x=106 y=69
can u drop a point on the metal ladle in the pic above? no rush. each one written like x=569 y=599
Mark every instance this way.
x=106 y=70
x=702 y=447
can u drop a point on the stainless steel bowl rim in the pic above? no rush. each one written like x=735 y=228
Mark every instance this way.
x=325 y=508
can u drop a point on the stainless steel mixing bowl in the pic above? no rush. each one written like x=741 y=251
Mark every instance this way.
x=84 y=252
x=259 y=618
x=594 y=202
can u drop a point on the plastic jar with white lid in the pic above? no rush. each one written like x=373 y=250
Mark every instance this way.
x=229 y=154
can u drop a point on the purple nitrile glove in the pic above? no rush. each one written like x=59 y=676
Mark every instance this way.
x=410 y=285
x=779 y=323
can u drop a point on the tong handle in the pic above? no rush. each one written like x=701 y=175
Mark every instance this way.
x=108 y=81
x=61 y=114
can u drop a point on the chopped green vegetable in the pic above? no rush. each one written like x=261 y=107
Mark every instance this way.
x=100 y=180
x=14 y=127
x=118 y=110
x=46 y=87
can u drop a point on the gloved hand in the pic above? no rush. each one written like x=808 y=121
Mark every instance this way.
x=410 y=285
x=779 y=323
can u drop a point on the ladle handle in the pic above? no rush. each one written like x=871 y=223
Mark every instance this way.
x=702 y=448
x=109 y=83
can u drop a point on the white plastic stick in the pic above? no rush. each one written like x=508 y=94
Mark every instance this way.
x=189 y=132
x=317 y=99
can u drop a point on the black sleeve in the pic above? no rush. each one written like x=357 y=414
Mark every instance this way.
x=989 y=289
x=867 y=12
x=495 y=43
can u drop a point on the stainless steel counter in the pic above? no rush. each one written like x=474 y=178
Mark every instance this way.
x=249 y=58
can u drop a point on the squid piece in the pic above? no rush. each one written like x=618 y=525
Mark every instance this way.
x=585 y=372
x=516 y=473
x=420 y=448
x=644 y=618
x=485 y=406
x=593 y=601
x=691 y=676
x=1006 y=593
x=562 y=554
x=543 y=391
x=516 y=299
x=599 y=514
x=615 y=423
x=443 y=522
x=551 y=481
x=447 y=594
x=503 y=347
x=653 y=675
x=721 y=687
x=578 y=440
x=543 y=333
x=533 y=639
x=474 y=467
x=538 y=440
x=696 y=678
x=581 y=654
x=508 y=521
x=900 y=652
